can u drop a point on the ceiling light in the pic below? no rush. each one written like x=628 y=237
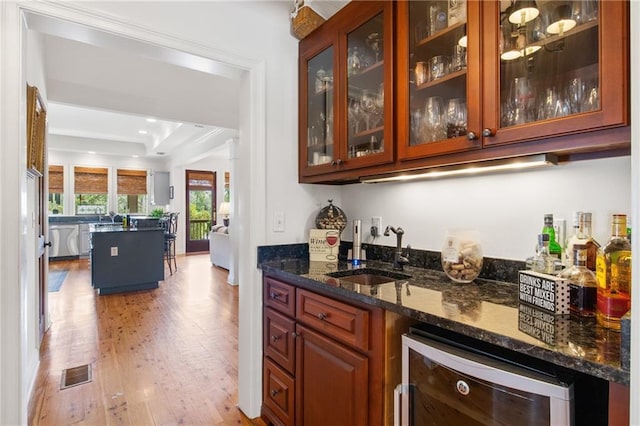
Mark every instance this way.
x=135 y=156
x=151 y=120
x=91 y=152
x=510 y=55
x=142 y=132
x=523 y=12
x=160 y=153
x=561 y=20
x=492 y=166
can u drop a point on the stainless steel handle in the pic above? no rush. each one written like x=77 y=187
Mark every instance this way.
x=487 y=132
x=275 y=338
x=322 y=316
x=339 y=161
x=274 y=392
x=472 y=136
x=274 y=295
x=397 y=404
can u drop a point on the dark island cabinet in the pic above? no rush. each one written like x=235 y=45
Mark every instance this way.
x=480 y=80
x=126 y=260
x=327 y=361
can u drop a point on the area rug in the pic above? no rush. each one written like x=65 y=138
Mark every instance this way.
x=56 y=278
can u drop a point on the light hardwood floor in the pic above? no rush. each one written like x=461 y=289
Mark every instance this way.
x=167 y=356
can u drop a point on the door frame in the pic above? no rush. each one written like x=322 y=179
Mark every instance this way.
x=194 y=246
x=250 y=166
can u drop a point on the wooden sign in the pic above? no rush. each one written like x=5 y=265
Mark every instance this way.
x=543 y=291
x=324 y=245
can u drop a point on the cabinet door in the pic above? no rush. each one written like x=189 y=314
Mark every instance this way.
x=561 y=71
x=317 y=104
x=439 y=77
x=345 y=77
x=331 y=382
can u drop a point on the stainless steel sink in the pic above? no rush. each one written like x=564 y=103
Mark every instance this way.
x=369 y=276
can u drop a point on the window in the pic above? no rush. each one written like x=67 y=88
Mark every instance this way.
x=132 y=191
x=91 y=189
x=56 y=189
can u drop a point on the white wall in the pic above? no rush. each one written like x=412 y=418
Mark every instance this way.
x=506 y=208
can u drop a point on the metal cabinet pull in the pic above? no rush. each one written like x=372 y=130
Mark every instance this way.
x=275 y=338
x=274 y=392
x=339 y=162
x=275 y=295
x=472 y=136
x=486 y=132
x=322 y=316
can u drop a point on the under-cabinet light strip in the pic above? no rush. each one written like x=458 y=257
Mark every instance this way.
x=507 y=164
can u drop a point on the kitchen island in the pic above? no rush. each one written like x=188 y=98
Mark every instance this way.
x=126 y=259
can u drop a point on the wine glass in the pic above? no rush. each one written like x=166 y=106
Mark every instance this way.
x=374 y=41
x=434 y=128
x=332 y=238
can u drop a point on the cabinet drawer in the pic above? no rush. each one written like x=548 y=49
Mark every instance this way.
x=279 y=343
x=278 y=392
x=279 y=296
x=339 y=320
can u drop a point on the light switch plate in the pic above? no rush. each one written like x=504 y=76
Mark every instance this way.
x=114 y=251
x=278 y=222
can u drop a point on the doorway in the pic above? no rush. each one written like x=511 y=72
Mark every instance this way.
x=200 y=208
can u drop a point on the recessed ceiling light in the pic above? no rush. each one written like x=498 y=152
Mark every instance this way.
x=151 y=120
x=142 y=132
x=91 y=152
x=135 y=156
x=160 y=153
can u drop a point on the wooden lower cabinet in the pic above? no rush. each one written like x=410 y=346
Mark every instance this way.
x=328 y=361
x=332 y=382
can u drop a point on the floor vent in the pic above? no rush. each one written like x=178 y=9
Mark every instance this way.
x=75 y=376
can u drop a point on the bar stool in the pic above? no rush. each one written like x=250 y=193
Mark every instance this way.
x=170 y=225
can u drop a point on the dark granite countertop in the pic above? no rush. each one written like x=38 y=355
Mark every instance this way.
x=485 y=309
x=107 y=227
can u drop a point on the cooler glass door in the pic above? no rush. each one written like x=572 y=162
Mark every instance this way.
x=447 y=386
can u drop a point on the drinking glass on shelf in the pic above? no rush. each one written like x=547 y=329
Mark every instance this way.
x=438 y=66
x=417 y=116
x=375 y=43
x=591 y=100
x=355 y=115
x=456 y=118
x=459 y=58
x=522 y=100
x=434 y=128
x=369 y=109
x=575 y=95
x=584 y=11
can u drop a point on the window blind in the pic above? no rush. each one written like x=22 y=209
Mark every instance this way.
x=91 y=180
x=200 y=179
x=132 y=182
x=56 y=179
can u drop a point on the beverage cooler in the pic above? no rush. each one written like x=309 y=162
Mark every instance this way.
x=447 y=382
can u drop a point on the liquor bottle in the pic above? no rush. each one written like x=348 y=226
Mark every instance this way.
x=567 y=251
x=543 y=261
x=583 y=286
x=613 y=272
x=554 y=247
x=583 y=236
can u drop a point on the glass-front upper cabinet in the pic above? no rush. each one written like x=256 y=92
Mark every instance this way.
x=438 y=55
x=346 y=108
x=320 y=108
x=559 y=68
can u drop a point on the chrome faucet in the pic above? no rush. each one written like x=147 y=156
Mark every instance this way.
x=398 y=259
